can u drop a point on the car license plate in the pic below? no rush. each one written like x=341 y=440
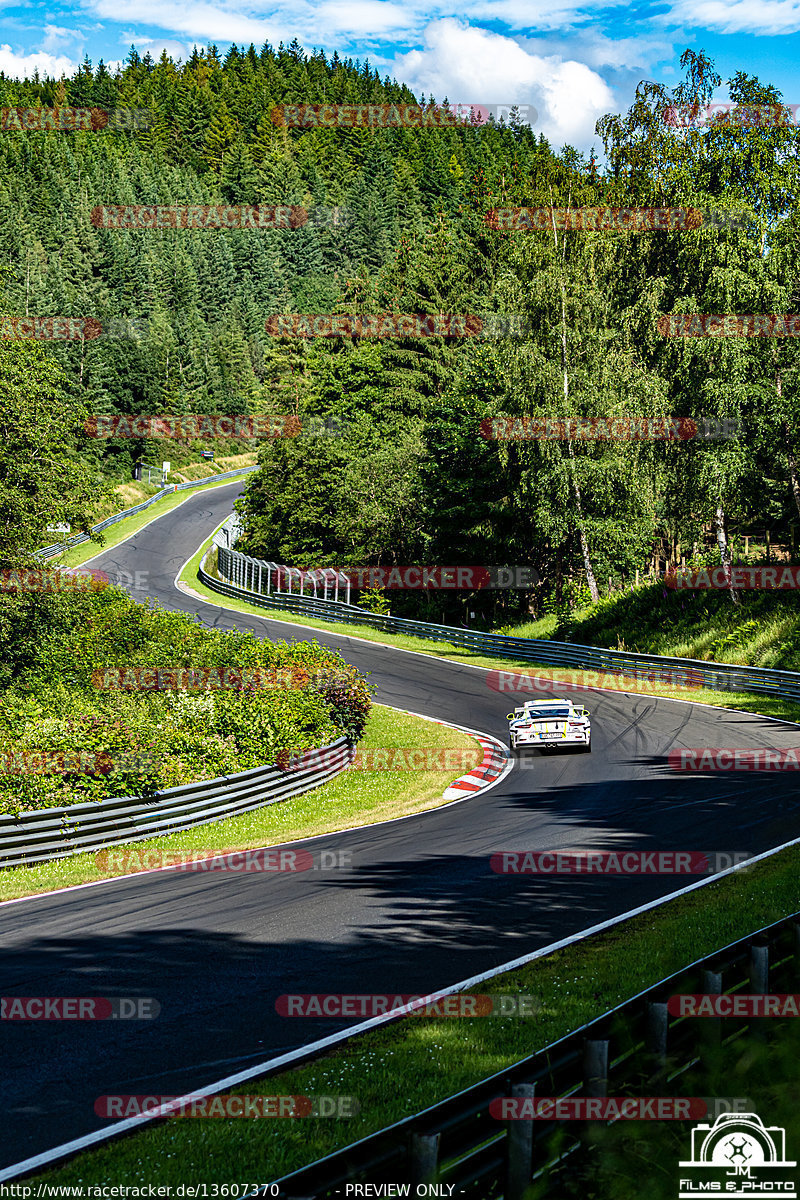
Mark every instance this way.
x=550 y=735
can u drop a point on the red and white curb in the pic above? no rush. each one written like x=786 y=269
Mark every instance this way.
x=494 y=766
x=489 y=770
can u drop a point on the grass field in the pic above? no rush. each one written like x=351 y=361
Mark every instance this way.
x=762 y=629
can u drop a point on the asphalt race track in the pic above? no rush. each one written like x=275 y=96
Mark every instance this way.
x=419 y=909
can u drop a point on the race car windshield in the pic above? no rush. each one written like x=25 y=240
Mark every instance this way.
x=539 y=714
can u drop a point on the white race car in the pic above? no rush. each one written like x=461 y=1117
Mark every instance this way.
x=549 y=724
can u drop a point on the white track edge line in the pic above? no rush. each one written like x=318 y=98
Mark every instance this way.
x=101 y=1135
x=190 y=495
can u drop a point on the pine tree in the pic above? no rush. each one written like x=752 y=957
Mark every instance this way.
x=220 y=137
x=239 y=182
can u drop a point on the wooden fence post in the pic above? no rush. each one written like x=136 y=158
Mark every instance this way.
x=759 y=969
x=796 y=945
x=759 y=983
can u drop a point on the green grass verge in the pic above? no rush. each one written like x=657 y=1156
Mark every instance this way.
x=771 y=706
x=398 y=1070
x=115 y=534
x=761 y=630
x=353 y=798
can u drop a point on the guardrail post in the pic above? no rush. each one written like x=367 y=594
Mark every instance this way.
x=424 y=1158
x=655 y=1040
x=759 y=969
x=595 y=1069
x=759 y=983
x=796 y=947
x=712 y=1026
x=519 y=1142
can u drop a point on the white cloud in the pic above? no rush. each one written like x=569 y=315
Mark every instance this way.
x=359 y=18
x=154 y=46
x=470 y=65
x=773 y=17
x=332 y=23
x=627 y=55
x=55 y=37
x=540 y=15
x=17 y=65
x=204 y=22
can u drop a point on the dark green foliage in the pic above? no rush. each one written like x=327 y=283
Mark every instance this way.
x=413 y=478
x=60 y=647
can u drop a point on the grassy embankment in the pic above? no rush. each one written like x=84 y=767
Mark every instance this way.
x=583 y=626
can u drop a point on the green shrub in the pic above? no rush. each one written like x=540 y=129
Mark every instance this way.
x=136 y=742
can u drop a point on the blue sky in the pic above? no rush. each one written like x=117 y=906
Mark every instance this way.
x=572 y=61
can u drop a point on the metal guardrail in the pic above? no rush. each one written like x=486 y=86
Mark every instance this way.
x=239 y=572
x=78 y=538
x=637 y=1048
x=254 y=573
x=42 y=835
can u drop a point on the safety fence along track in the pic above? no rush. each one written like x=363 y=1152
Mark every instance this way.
x=49 y=833
x=264 y=584
x=78 y=538
x=636 y=1050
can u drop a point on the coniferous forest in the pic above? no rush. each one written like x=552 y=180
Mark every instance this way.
x=409 y=478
